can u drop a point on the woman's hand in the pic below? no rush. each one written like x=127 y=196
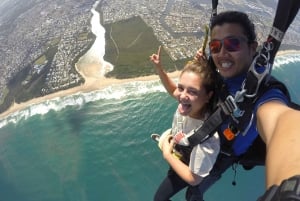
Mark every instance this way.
x=181 y=138
x=167 y=146
x=155 y=58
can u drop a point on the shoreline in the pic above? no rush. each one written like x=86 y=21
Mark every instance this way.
x=96 y=82
x=284 y=52
x=92 y=82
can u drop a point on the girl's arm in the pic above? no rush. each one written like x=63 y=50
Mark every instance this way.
x=168 y=83
x=177 y=165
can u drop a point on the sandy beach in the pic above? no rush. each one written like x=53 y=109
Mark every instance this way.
x=284 y=52
x=94 y=81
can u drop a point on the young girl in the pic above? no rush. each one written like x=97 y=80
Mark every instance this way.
x=193 y=93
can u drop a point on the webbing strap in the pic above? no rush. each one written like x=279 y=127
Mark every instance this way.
x=214 y=8
x=260 y=69
x=208 y=128
x=285 y=13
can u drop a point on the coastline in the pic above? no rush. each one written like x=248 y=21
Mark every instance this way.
x=96 y=82
x=285 y=52
x=92 y=82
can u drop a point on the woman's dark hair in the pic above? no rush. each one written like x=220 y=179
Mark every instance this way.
x=239 y=18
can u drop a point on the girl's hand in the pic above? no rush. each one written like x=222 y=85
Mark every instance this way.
x=181 y=138
x=155 y=58
x=167 y=146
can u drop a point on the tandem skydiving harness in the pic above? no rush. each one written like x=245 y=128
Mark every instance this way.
x=238 y=109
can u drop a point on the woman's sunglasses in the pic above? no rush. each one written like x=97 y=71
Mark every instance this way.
x=231 y=44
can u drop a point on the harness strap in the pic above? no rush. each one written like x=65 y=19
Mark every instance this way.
x=208 y=128
x=214 y=8
x=260 y=70
x=285 y=14
x=238 y=110
x=259 y=73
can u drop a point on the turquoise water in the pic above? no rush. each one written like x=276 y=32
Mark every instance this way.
x=96 y=146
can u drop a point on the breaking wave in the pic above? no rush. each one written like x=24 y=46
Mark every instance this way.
x=113 y=93
x=286 y=59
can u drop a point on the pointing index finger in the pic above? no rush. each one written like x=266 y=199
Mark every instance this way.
x=158 y=52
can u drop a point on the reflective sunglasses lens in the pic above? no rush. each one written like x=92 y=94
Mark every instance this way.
x=232 y=44
x=215 y=46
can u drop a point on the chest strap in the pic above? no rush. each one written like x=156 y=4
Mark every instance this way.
x=258 y=75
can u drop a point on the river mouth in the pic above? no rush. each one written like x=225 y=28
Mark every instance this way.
x=92 y=64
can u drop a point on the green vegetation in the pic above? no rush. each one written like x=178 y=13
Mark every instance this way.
x=41 y=60
x=129 y=43
x=5 y=92
x=83 y=36
x=25 y=85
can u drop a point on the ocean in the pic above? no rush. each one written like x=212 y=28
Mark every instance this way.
x=96 y=146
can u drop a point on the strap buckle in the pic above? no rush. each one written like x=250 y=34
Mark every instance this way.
x=230 y=107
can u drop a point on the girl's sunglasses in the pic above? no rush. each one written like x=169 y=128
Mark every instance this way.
x=231 y=44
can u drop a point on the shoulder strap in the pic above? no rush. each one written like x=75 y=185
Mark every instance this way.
x=261 y=67
x=258 y=74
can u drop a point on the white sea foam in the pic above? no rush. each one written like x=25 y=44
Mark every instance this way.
x=114 y=92
x=285 y=59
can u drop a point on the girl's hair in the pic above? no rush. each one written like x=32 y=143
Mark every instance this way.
x=207 y=75
x=239 y=18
